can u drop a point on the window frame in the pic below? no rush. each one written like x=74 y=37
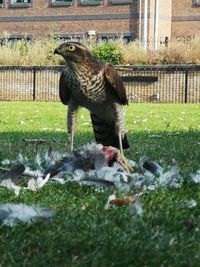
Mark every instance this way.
x=195 y=2
x=126 y=36
x=20 y=5
x=121 y=2
x=61 y=3
x=70 y=37
x=2 y=4
x=13 y=38
x=90 y=2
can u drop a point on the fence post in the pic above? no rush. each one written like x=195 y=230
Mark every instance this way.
x=34 y=83
x=186 y=86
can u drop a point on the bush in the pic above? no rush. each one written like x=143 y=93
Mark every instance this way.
x=108 y=51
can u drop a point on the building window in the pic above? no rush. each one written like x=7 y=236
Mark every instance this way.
x=1 y=3
x=70 y=37
x=127 y=37
x=20 y=3
x=121 y=2
x=90 y=2
x=196 y=2
x=15 y=38
x=61 y=2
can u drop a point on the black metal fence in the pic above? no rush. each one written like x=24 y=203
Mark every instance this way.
x=159 y=84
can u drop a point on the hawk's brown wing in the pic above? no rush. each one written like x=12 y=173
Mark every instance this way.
x=64 y=91
x=115 y=83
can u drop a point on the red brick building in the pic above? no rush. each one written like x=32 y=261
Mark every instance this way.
x=38 y=18
x=148 y=20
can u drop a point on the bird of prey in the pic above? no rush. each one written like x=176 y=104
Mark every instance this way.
x=93 y=84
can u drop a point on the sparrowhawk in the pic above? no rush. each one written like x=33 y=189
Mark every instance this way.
x=91 y=83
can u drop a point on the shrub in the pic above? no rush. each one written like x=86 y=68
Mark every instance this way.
x=108 y=51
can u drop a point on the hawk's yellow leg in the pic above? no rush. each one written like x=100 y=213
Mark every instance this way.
x=71 y=124
x=125 y=163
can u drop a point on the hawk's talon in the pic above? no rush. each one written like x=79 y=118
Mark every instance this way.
x=125 y=163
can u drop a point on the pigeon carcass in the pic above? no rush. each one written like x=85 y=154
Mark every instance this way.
x=89 y=157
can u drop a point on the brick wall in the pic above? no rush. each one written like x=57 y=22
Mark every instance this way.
x=40 y=19
x=186 y=18
x=176 y=18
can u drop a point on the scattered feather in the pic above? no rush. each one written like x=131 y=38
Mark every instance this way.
x=99 y=166
x=170 y=178
x=109 y=201
x=189 y=203
x=38 y=161
x=126 y=200
x=118 y=202
x=22 y=122
x=9 y=184
x=11 y=214
x=195 y=178
x=98 y=182
x=32 y=173
x=35 y=184
x=150 y=165
x=136 y=207
x=33 y=141
x=5 y=162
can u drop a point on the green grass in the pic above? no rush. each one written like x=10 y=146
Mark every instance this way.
x=94 y=236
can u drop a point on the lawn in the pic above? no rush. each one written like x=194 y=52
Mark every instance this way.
x=83 y=233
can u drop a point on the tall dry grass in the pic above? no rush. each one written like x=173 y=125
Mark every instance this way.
x=132 y=53
x=41 y=52
x=176 y=53
x=29 y=53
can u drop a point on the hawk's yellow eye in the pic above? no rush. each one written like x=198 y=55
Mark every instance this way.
x=71 y=48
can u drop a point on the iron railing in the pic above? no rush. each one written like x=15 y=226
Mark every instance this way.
x=157 y=84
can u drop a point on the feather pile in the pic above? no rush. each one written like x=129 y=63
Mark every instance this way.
x=93 y=164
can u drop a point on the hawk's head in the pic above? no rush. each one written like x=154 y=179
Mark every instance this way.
x=73 y=51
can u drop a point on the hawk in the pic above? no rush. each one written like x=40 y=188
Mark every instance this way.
x=91 y=83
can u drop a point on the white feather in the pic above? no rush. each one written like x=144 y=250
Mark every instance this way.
x=10 y=214
x=9 y=184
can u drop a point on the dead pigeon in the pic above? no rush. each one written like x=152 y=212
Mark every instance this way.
x=89 y=157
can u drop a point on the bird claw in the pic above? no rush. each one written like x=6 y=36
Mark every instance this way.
x=127 y=167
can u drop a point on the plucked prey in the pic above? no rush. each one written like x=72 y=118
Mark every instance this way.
x=93 y=84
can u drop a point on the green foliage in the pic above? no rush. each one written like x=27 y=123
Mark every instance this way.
x=50 y=44
x=22 y=45
x=108 y=51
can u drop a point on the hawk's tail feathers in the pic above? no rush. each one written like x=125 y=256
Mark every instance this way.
x=106 y=135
